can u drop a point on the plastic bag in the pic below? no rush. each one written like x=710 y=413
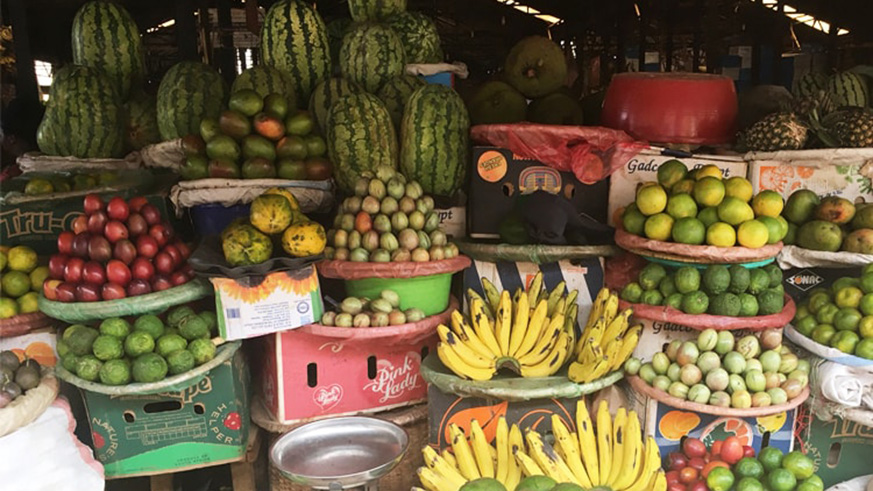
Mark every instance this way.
x=164 y=155
x=311 y=195
x=796 y=257
x=591 y=153
x=698 y=253
x=348 y=270
x=661 y=313
x=425 y=69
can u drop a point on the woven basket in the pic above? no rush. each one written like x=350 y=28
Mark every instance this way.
x=413 y=419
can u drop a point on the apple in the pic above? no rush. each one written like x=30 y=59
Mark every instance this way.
x=99 y=249
x=118 y=272
x=161 y=233
x=93 y=273
x=146 y=246
x=161 y=283
x=164 y=263
x=151 y=214
x=92 y=204
x=80 y=244
x=136 y=203
x=73 y=270
x=57 y=264
x=117 y=209
x=50 y=288
x=174 y=253
x=136 y=225
x=97 y=221
x=112 y=291
x=183 y=249
x=87 y=293
x=179 y=278
x=142 y=269
x=65 y=242
x=80 y=224
x=115 y=231
x=124 y=251
x=66 y=292
x=138 y=287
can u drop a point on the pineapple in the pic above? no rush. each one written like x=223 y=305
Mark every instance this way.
x=820 y=102
x=777 y=131
x=854 y=129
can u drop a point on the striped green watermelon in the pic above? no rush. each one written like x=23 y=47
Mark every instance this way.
x=394 y=94
x=848 y=89
x=325 y=94
x=189 y=92
x=83 y=117
x=336 y=31
x=294 y=40
x=371 y=54
x=266 y=80
x=142 y=121
x=105 y=36
x=809 y=84
x=369 y=10
x=419 y=36
x=359 y=137
x=434 y=139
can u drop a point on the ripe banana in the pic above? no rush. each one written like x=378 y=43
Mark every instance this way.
x=554 y=296
x=463 y=329
x=570 y=451
x=548 y=460
x=501 y=441
x=481 y=450
x=535 y=291
x=651 y=465
x=633 y=453
x=451 y=359
x=519 y=326
x=604 y=440
x=492 y=294
x=619 y=426
x=587 y=442
x=433 y=481
x=441 y=467
x=528 y=465
x=464 y=351
x=463 y=454
x=504 y=320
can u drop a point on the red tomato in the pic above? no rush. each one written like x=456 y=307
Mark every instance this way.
x=676 y=487
x=698 y=485
x=732 y=450
x=693 y=447
x=716 y=448
x=697 y=463
x=672 y=477
x=712 y=465
x=748 y=451
x=688 y=475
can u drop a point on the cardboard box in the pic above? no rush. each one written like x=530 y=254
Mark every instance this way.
x=257 y=305
x=644 y=168
x=656 y=335
x=41 y=345
x=585 y=275
x=831 y=172
x=841 y=449
x=445 y=409
x=500 y=178
x=306 y=377
x=205 y=424
x=800 y=282
x=453 y=221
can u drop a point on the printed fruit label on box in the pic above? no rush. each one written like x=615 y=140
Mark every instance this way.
x=39 y=345
x=258 y=305
x=835 y=172
x=840 y=448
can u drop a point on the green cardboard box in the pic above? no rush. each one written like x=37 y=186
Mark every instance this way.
x=206 y=424
x=841 y=449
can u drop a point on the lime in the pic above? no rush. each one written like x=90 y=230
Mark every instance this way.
x=773 y=227
x=689 y=230
x=849 y=296
x=659 y=227
x=180 y=361
x=681 y=206
x=845 y=341
x=781 y=480
x=115 y=372
x=738 y=187
x=21 y=258
x=721 y=234
x=847 y=319
x=812 y=483
x=150 y=367
x=866 y=304
x=708 y=191
x=749 y=467
x=865 y=327
x=38 y=277
x=708 y=215
x=687 y=279
x=671 y=172
x=80 y=338
x=115 y=326
x=818 y=300
x=210 y=319
x=138 y=343
x=631 y=292
x=107 y=348
x=150 y=324
x=799 y=464
x=695 y=303
x=15 y=283
x=169 y=343
x=667 y=286
x=866 y=283
x=826 y=314
x=28 y=303
x=720 y=479
x=864 y=349
x=770 y=458
x=632 y=220
x=768 y=203
x=823 y=333
x=193 y=327
x=749 y=484
x=202 y=349
x=806 y=325
x=176 y=315
x=651 y=276
x=88 y=367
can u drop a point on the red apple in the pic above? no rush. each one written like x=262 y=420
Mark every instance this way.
x=146 y=246
x=174 y=253
x=151 y=214
x=65 y=242
x=99 y=249
x=66 y=292
x=112 y=291
x=80 y=244
x=115 y=231
x=117 y=209
x=161 y=283
x=698 y=485
x=118 y=272
x=179 y=278
x=697 y=463
x=73 y=270
x=87 y=293
x=142 y=269
x=164 y=263
x=50 y=288
x=138 y=287
x=183 y=249
x=124 y=251
x=97 y=221
x=136 y=225
x=92 y=204
x=677 y=460
x=161 y=233
x=136 y=203
x=56 y=265
x=80 y=224
x=93 y=273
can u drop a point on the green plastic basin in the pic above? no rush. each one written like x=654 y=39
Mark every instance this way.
x=428 y=293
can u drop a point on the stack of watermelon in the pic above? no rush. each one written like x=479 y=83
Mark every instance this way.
x=97 y=108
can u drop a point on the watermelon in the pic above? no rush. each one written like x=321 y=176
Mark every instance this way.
x=372 y=10
x=83 y=117
x=371 y=54
x=266 y=80
x=105 y=36
x=142 y=122
x=419 y=36
x=359 y=137
x=189 y=92
x=848 y=89
x=434 y=139
x=326 y=93
x=294 y=40
x=336 y=31
x=394 y=94
x=809 y=84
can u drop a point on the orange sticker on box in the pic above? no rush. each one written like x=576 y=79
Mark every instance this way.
x=491 y=166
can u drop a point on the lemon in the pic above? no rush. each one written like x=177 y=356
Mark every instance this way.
x=753 y=234
x=684 y=186
x=651 y=199
x=659 y=227
x=2 y=260
x=15 y=284
x=27 y=303
x=776 y=232
x=738 y=187
x=708 y=215
x=709 y=191
x=671 y=172
x=709 y=171
x=38 y=277
x=721 y=234
x=768 y=203
x=21 y=258
x=681 y=206
x=734 y=211
x=8 y=308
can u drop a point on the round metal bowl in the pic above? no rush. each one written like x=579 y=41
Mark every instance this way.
x=342 y=452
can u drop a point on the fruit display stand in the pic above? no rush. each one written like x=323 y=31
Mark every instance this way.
x=717 y=322
x=673 y=254
x=28 y=407
x=826 y=352
x=24 y=323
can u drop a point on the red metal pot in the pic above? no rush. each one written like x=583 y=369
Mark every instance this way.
x=690 y=108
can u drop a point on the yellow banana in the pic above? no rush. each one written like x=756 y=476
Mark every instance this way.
x=481 y=450
x=546 y=343
x=587 y=442
x=618 y=326
x=464 y=351
x=552 y=362
x=544 y=455
x=610 y=309
x=596 y=332
x=463 y=454
x=570 y=325
x=492 y=294
x=554 y=295
x=604 y=441
x=474 y=295
x=651 y=464
x=597 y=307
x=560 y=306
x=571 y=452
x=504 y=323
x=619 y=427
x=571 y=300
x=628 y=345
x=611 y=351
x=582 y=373
x=439 y=465
x=528 y=465
x=462 y=328
x=461 y=368
x=536 y=288
x=519 y=326
x=660 y=483
x=633 y=453
x=433 y=481
x=516 y=443
x=501 y=442
x=534 y=329
x=482 y=326
x=449 y=457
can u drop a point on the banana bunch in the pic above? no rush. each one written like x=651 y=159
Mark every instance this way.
x=606 y=341
x=615 y=455
x=531 y=332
